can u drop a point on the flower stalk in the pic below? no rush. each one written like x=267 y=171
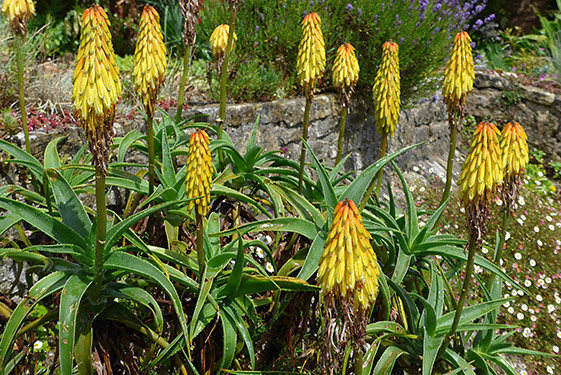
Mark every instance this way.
x=96 y=91
x=224 y=71
x=310 y=66
x=458 y=83
x=345 y=77
x=150 y=64
x=20 y=66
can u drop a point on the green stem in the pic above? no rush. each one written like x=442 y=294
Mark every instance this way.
x=358 y=362
x=180 y=96
x=465 y=287
x=101 y=231
x=51 y=314
x=150 y=137
x=19 y=59
x=200 y=243
x=449 y=166
x=224 y=73
x=376 y=180
x=341 y=134
x=502 y=239
x=305 y=138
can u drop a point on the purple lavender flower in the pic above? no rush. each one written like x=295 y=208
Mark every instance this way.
x=479 y=8
x=477 y=24
x=311 y=3
x=359 y=12
x=349 y=7
x=383 y=6
x=262 y=17
x=472 y=44
x=399 y=23
x=436 y=8
x=401 y=39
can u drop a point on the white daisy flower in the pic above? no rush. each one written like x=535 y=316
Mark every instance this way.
x=269 y=267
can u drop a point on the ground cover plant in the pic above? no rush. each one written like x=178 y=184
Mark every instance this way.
x=231 y=260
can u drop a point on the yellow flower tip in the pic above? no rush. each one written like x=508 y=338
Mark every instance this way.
x=345 y=67
x=459 y=74
x=482 y=171
x=514 y=149
x=150 y=60
x=311 y=53
x=348 y=267
x=97 y=87
x=387 y=90
x=18 y=13
x=219 y=40
x=198 y=178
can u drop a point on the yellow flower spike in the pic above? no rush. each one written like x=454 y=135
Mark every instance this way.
x=18 y=13
x=514 y=149
x=348 y=267
x=345 y=71
x=219 y=41
x=459 y=74
x=150 y=61
x=387 y=90
x=198 y=178
x=481 y=175
x=97 y=87
x=311 y=54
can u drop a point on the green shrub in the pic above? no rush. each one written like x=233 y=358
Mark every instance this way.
x=270 y=32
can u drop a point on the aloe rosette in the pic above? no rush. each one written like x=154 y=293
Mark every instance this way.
x=97 y=87
x=311 y=54
x=198 y=179
x=387 y=90
x=150 y=61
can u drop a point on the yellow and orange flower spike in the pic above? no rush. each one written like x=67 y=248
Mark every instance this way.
x=311 y=54
x=150 y=60
x=198 y=178
x=219 y=41
x=97 y=87
x=18 y=13
x=482 y=172
x=348 y=267
x=345 y=71
x=387 y=90
x=514 y=149
x=459 y=74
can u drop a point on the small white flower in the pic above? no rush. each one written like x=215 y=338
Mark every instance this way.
x=499 y=202
x=411 y=188
x=555 y=349
x=523 y=372
x=549 y=370
x=548 y=280
x=416 y=169
x=517 y=256
x=422 y=189
x=527 y=332
x=431 y=170
x=539 y=298
x=484 y=250
x=527 y=283
x=550 y=308
x=540 y=174
x=268 y=240
x=37 y=345
x=540 y=243
x=520 y=293
x=533 y=318
x=558 y=224
x=536 y=229
x=506 y=304
x=521 y=200
x=551 y=227
x=538 y=182
x=557 y=300
x=523 y=217
x=519 y=316
x=559 y=334
x=507 y=236
x=524 y=307
x=558 y=242
x=548 y=218
x=519 y=221
x=532 y=263
x=260 y=253
x=386 y=197
x=510 y=310
x=462 y=210
x=269 y=267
